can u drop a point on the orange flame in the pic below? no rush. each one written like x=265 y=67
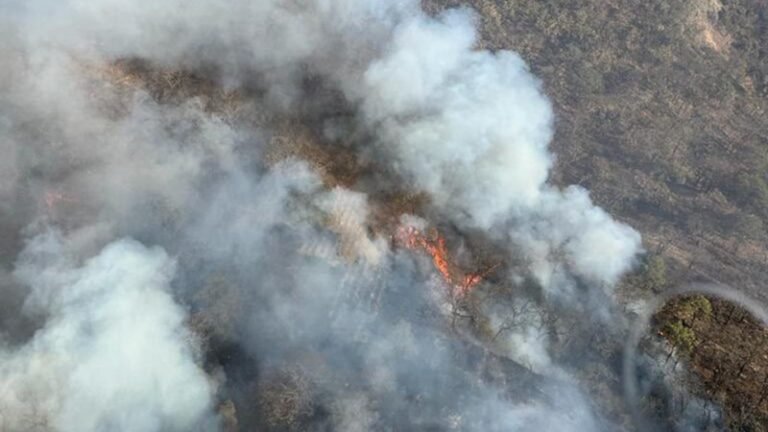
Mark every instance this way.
x=460 y=283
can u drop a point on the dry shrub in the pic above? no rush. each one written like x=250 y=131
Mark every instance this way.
x=286 y=398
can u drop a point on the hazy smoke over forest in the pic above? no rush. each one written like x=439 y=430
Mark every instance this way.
x=169 y=258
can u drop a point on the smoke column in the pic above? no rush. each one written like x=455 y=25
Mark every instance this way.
x=167 y=265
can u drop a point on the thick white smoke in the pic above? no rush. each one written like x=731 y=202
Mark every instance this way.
x=467 y=126
x=114 y=354
x=472 y=128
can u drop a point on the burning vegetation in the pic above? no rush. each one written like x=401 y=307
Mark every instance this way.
x=458 y=282
x=243 y=201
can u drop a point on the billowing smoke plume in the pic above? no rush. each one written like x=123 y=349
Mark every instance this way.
x=468 y=126
x=113 y=354
x=286 y=297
